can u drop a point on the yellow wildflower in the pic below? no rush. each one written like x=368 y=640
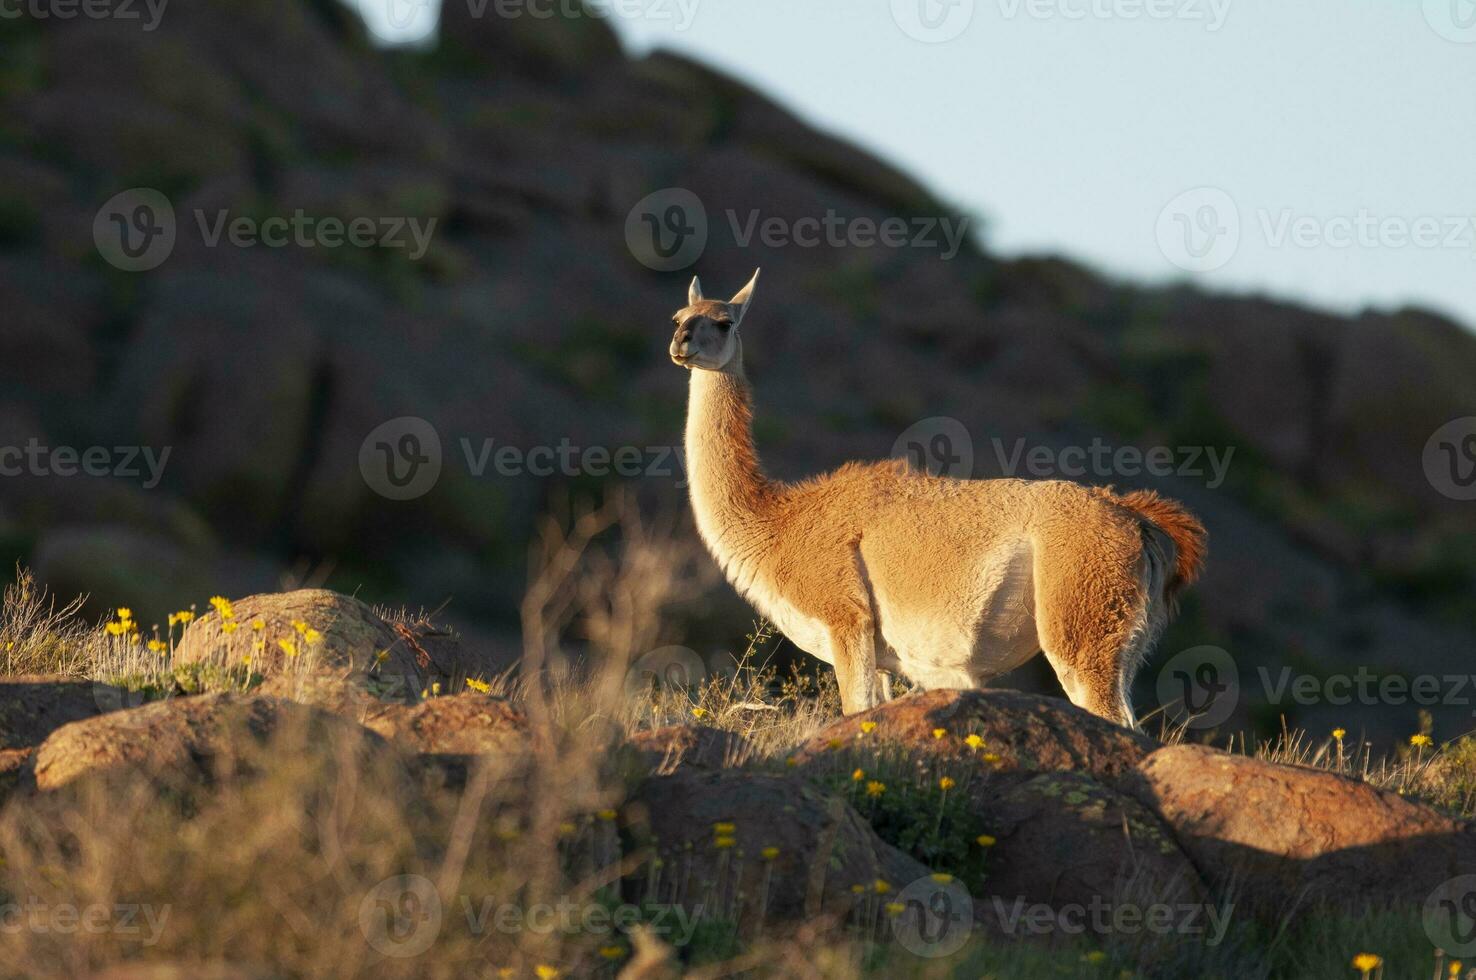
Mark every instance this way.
x=858 y=889
x=1095 y=956
x=942 y=877
x=1338 y=733
x=875 y=788
x=223 y=606
x=116 y=629
x=229 y=626
x=299 y=625
x=312 y=636
x=990 y=758
x=946 y=783
x=724 y=828
x=1421 y=740
x=288 y=647
x=834 y=743
x=1367 y=962
x=567 y=828
x=867 y=727
x=984 y=840
x=724 y=841
x=258 y=624
x=769 y=853
x=974 y=742
x=612 y=952
x=546 y=972
x=699 y=712
x=606 y=814
x=939 y=732
x=880 y=887
x=184 y=615
x=1455 y=969
x=157 y=646
x=481 y=687
x=857 y=776
x=895 y=908
x=124 y=613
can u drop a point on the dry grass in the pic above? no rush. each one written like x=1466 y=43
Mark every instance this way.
x=293 y=866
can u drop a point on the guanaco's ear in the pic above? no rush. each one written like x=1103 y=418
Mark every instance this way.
x=740 y=299
x=694 y=292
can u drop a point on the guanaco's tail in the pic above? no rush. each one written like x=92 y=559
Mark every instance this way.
x=1189 y=536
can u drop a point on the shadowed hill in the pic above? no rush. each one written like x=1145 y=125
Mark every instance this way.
x=529 y=322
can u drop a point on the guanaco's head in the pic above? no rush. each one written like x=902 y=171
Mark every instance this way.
x=707 y=329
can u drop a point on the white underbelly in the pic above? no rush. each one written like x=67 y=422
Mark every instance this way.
x=971 y=630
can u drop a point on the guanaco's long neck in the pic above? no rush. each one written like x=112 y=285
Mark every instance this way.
x=731 y=497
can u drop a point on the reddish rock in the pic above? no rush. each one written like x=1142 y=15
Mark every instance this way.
x=1282 y=837
x=402 y=660
x=664 y=750
x=1065 y=839
x=34 y=706
x=187 y=738
x=1020 y=735
x=823 y=847
x=461 y=724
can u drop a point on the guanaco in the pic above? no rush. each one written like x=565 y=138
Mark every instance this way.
x=880 y=567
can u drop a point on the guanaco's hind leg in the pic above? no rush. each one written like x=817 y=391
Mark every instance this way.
x=1095 y=621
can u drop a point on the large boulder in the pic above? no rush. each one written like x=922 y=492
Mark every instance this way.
x=710 y=832
x=34 y=706
x=1018 y=735
x=462 y=724
x=190 y=739
x=1280 y=837
x=398 y=660
x=1064 y=839
x=664 y=750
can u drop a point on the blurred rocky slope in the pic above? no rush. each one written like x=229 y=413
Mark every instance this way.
x=529 y=321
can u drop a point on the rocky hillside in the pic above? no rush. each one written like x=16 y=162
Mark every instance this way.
x=530 y=321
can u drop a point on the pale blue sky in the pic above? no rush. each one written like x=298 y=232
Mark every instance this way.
x=1339 y=134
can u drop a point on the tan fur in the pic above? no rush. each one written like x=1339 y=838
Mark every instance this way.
x=949 y=582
